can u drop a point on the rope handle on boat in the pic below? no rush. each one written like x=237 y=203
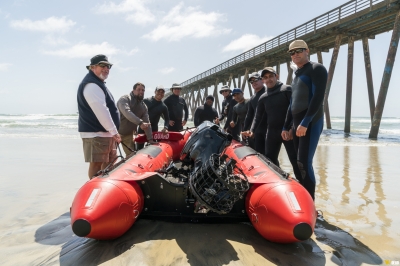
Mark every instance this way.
x=126 y=146
x=111 y=165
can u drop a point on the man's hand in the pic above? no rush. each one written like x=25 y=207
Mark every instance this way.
x=183 y=123
x=171 y=123
x=285 y=135
x=164 y=130
x=232 y=124
x=245 y=133
x=117 y=138
x=301 y=131
x=144 y=126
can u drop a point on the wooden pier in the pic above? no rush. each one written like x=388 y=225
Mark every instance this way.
x=356 y=20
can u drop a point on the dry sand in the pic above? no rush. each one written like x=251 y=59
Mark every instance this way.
x=357 y=192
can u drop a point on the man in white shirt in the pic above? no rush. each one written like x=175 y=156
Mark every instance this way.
x=98 y=116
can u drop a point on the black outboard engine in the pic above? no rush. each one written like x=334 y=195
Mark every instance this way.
x=215 y=180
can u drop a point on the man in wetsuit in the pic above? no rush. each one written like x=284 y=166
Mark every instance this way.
x=176 y=106
x=133 y=113
x=156 y=108
x=206 y=112
x=239 y=111
x=227 y=106
x=272 y=106
x=259 y=132
x=306 y=110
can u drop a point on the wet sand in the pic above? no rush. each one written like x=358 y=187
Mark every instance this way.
x=357 y=192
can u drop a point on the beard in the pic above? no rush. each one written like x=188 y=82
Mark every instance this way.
x=139 y=97
x=103 y=76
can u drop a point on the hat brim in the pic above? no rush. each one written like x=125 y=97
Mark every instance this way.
x=294 y=48
x=220 y=91
x=101 y=62
x=265 y=71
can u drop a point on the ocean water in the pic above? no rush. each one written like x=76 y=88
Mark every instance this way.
x=66 y=126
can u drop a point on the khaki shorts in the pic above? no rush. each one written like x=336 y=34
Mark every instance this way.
x=99 y=149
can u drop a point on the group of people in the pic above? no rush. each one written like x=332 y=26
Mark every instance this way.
x=276 y=114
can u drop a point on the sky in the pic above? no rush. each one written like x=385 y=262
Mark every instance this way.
x=45 y=46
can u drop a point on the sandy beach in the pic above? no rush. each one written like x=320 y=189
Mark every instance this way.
x=356 y=191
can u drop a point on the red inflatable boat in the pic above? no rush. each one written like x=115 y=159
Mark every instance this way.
x=215 y=179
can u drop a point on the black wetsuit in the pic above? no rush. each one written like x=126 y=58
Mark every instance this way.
x=259 y=132
x=204 y=113
x=239 y=113
x=306 y=109
x=156 y=109
x=273 y=106
x=176 y=106
x=227 y=106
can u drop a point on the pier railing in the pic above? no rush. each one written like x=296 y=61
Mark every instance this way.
x=328 y=18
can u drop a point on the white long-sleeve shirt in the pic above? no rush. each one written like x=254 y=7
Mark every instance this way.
x=96 y=99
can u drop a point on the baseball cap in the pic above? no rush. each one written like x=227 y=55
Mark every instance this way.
x=236 y=90
x=268 y=69
x=254 y=75
x=160 y=87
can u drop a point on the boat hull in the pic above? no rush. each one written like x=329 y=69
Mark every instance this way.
x=279 y=208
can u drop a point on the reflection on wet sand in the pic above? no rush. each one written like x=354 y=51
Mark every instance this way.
x=374 y=177
x=322 y=186
x=346 y=176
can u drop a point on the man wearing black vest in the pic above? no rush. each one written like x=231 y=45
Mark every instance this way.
x=98 y=120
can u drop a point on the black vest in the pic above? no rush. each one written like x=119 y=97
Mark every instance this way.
x=88 y=121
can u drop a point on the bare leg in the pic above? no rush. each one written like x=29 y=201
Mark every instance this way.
x=94 y=167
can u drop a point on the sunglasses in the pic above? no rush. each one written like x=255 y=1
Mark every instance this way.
x=254 y=80
x=104 y=65
x=297 y=51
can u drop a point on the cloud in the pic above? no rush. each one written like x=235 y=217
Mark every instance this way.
x=54 y=41
x=133 y=51
x=188 y=22
x=4 y=66
x=141 y=17
x=167 y=70
x=51 y=24
x=85 y=50
x=245 y=43
x=138 y=13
